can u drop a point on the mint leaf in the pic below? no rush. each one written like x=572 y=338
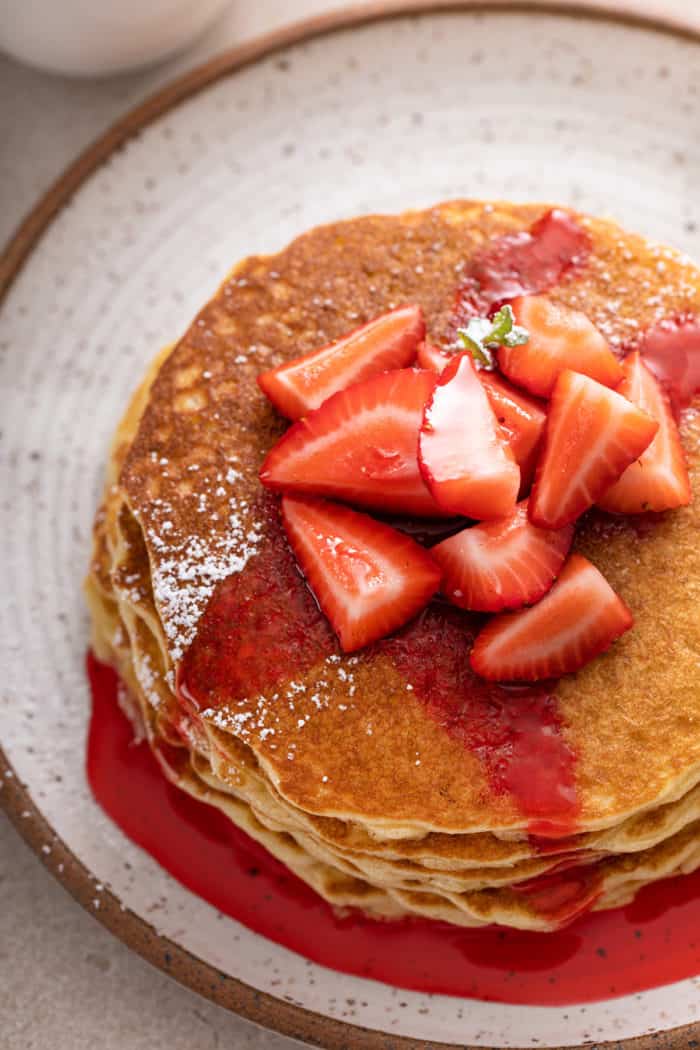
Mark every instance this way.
x=482 y=333
x=472 y=339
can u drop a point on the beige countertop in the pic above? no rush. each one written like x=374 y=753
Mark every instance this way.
x=65 y=982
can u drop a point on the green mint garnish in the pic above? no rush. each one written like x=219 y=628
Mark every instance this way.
x=481 y=334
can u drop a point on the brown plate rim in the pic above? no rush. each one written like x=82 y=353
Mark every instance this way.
x=280 y=1015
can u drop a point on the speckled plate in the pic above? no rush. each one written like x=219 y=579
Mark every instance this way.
x=356 y=112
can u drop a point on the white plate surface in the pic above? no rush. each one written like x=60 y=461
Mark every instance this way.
x=396 y=114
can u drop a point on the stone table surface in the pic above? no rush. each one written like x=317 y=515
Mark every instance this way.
x=65 y=982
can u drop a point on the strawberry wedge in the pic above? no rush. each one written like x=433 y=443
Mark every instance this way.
x=560 y=338
x=592 y=436
x=360 y=447
x=521 y=417
x=389 y=341
x=428 y=356
x=579 y=618
x=502 y=564
x=658 y=480
x=367 y=578
x=463 y=455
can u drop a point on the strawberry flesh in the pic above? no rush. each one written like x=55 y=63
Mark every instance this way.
x=464 y=458
x=501 y=564
x=360 y=447
x=386 y=342
x=592 y=436
x=560 y=338
x=658 y=480
x=430 y=357
x=521 y=418
x=367 y=578
x=579 y=618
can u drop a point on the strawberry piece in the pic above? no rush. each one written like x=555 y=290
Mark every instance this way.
x=579 y=618
x=592 y=436
x=501 y=564
x=559 y=338
x=521 y=417
x=367 y=578
x=388 y=341
x=464 y=457
x=658 y=480
x=361 y=446
x=430 y=357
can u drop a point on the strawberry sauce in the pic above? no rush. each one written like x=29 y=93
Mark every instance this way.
x=261 y=626
x=672 y=351
x=651 y=942
x=522 y=264
x=516 y=732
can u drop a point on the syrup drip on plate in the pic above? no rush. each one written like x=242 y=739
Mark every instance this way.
x=652 y=942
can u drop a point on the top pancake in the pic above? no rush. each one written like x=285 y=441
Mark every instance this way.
x=346 y=737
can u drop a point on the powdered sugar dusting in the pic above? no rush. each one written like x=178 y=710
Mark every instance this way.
x=186 y=571
x=261 y=717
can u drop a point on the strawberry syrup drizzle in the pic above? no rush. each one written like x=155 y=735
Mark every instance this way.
x=523 y=263
x=516 y=732
x=649 y=943
x=261 y=626
x=672 y=351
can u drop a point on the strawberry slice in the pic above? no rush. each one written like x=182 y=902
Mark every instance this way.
x=501 y=564
x=559 y=338
x=658 y=480
x=592 y=436
x=361 y=446
x=463 y=455
x=579 y=618
x=522 y=417
x=367 y=578
x=388 y=341
x=428 y=356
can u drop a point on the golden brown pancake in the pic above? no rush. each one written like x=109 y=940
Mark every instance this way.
x=340 y=765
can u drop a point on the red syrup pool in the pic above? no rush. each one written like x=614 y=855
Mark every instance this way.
x=524 y=263
x=651 y=942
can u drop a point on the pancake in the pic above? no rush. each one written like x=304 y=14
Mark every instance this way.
x=191 y=575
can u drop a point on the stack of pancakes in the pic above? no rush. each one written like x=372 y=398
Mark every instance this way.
x=336 y=764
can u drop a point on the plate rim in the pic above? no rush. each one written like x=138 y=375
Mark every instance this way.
x=237 y=996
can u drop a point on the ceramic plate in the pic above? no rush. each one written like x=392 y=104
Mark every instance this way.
x=342 y=117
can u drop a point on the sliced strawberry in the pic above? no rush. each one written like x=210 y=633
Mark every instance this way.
x=522 y=419
x=361 y=446
x=592 y=435
x=579 y=618
x=559 y=338
x=367 y=578
x=501 y=564
x=658 y=480
x=462 y=453
x=430 y=357
x=389 y=341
